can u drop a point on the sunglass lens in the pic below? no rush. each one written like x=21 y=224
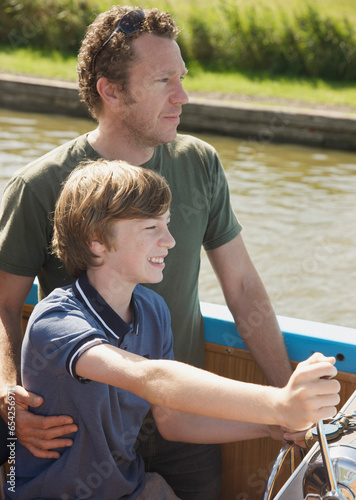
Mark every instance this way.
x=132 y=21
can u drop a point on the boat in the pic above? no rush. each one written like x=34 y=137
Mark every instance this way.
x=247 y=465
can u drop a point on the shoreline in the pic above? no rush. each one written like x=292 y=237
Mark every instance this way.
x=279 y=123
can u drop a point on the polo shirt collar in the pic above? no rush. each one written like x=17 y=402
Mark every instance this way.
x=96 y=305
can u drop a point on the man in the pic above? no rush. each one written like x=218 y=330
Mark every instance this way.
x=111 y=233
x=130 y=76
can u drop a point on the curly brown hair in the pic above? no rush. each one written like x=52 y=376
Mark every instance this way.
x=114 y=60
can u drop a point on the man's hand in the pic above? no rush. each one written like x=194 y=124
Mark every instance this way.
x=275 y=432
x=297 y=436
x=310 y=394
x=282 y=433
x=38 y=433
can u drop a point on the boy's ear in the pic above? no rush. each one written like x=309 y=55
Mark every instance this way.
x=108 y=91
x=97 y=247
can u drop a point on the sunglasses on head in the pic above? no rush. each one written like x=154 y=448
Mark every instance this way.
x=129 y=24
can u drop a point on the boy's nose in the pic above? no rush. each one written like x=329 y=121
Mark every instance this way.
x=169 y=240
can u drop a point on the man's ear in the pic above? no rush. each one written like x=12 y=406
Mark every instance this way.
x=108 y=91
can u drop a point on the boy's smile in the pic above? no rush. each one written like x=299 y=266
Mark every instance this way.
x=156 y=260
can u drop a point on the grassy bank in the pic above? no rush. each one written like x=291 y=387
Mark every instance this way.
x=256 y=49
x=260 y=86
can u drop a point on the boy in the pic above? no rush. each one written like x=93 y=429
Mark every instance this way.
x=100 y=350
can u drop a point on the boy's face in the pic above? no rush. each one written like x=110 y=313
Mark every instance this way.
x=140 y=246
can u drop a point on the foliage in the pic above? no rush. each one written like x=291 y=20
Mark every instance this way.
x=223 y=37
x=306 y=44
x=51 y=24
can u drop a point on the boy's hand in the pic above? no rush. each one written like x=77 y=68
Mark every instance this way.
x=38 y=433
x=310 y=395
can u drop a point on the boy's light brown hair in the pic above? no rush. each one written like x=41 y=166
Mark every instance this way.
x=93 y=198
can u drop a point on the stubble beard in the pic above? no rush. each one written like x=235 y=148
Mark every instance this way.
x=142 y=134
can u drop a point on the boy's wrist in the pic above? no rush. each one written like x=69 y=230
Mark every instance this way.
x=279 y=404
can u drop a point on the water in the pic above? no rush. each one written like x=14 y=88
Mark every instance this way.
x=297 y=206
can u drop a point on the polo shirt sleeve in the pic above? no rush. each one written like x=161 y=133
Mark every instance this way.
x=167 y=334
x=55 y=341
x=157 y=309
x=223 y=225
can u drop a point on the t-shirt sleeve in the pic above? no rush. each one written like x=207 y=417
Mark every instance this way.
x=55 y=341
x=223 y=225
x=23 y=230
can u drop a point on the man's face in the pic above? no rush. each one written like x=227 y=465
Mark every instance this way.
x=155 y=95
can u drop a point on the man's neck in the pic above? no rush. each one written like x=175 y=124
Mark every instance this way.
x=114 y=146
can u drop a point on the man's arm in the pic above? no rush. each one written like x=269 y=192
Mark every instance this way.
x=175 y=425
x=33 y=431
x=251 y=308
x=13 y=293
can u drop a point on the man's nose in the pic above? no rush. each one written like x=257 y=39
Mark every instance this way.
x=179 y=96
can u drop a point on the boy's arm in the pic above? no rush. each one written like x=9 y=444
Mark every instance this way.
x=306 y=398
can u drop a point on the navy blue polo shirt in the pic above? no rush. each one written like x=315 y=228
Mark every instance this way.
x=102 y=463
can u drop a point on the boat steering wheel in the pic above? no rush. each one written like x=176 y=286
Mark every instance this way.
x=337 y=486
x=287 y=448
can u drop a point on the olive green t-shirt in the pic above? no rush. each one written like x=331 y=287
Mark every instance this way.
x=201 y=214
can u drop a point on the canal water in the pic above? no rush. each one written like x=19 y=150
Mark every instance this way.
x=297 y=206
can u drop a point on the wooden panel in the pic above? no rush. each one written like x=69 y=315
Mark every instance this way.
x=246 y=465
